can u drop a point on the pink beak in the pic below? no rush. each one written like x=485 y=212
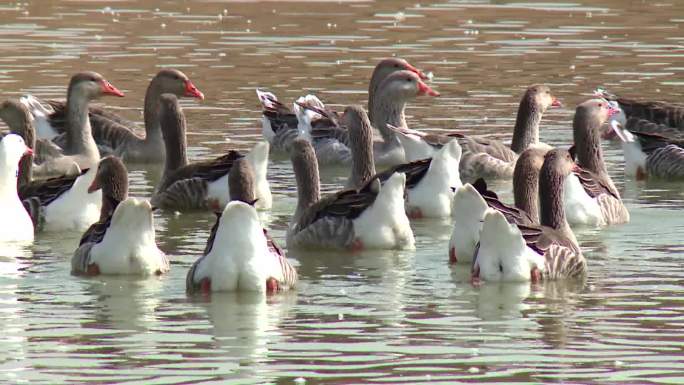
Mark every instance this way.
x=418 y=72
x=556 y=103
x=192 y=91
x=424 y=89
x=109 y=89
x=28 y=151
x=612 y=111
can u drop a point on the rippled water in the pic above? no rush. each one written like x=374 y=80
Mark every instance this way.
x=372 y=318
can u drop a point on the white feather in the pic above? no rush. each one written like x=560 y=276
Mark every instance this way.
x=384 y=225
x=468 y=210
x=129 y=245
x=580 y=208
x=41 y=116
x=75 y=209
x=15 y=223
x=503 y=255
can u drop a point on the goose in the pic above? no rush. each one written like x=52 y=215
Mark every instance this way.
x=513 y=252
x=667 y=118
x=482 y=157
x=117 y=135
x=122 y=242
x=650 y=152
x=77 y=142
x=430 y=183
x=201 y=185
x=372 y=217
x=16 y=224
x=313 y=121
x=590 y=196
x=50 y=160
x=240 y=255
x=471 y=202
x=60 y=203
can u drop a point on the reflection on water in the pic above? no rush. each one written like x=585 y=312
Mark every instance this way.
x=376 y=317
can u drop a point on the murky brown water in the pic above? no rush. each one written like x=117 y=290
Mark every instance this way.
x=372 y=318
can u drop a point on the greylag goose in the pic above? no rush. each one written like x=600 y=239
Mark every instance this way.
x=201 y=185
x=240 y=255
x=472 y=200
x=430 y=183
x=16 y=224
x=122 y=242
x=590 y=196
x=483 y=157
x=49 y=159
x=667 y=118
x=62 y=203
x=650 y=152
x=349 y=219
x=311 y=120
x=78 y=143
x=117 y=135
x=517 y=252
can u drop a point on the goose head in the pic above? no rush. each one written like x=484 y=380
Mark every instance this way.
x=175 y=82
x=92 y=85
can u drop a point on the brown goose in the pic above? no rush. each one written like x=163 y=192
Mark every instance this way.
x=471 y=201
x=312 y=120
x=482 y=157
x=240 y=255
x=349 y=219
x=77 y=141
x=650 y=151
x=118 y=136
x=122 y=242
x=201 y=185
x=517 y=252
x=590 y=196
x=47 y=159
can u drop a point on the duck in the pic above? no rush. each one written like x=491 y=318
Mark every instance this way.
x=471 y=201
x=650 y=152
x=122 y=242
x=312 y=120
x=590 y=197
x=201 y=185
x=487 y=158
x=16 y=224
x=47 y=159
x=372 y=217
x=240 y=254
x=430 y=183
x=512 y=252
x=116 y=135
x=77 y=142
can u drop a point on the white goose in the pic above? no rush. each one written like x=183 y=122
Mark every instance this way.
x=240 y=256
x=122 y=242
x=351 y=219
x=15 y=224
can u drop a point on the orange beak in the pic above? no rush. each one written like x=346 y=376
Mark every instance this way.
x=109 y=89
x=192 y=91
x=424 y=89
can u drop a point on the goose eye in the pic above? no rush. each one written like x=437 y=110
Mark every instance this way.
x=600 y=105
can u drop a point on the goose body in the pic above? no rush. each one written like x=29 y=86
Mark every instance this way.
x=201 y=185
x=124 y=244
x=64 y=202
x=486 y=158
x=15 y=225
x=240 y=257
x=590 y=196
x=512 y=251
x=351 y=219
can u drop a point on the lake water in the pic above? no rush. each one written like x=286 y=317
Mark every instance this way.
x=373 y=318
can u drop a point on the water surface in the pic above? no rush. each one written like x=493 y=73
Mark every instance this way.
x=379 y=317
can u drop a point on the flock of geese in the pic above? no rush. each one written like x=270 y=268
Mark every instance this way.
x=62 y=167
